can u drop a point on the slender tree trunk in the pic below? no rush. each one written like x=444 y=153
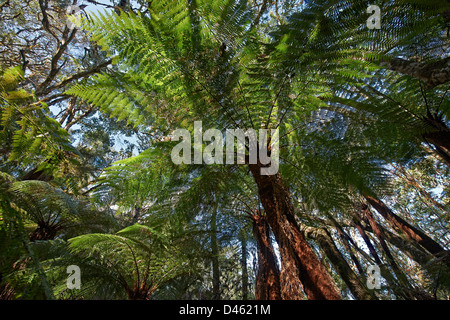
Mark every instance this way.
x=403 y=281
x=408 y=291
x=401 y=225
x=268 y=274
x=328 y=246
x=69 y=110
x=215 y=256
x=277 y=203
x=374 y=225
x=244 y=265
x=367 y=241
x=383 y=270
x=346 y=240
x=411 y=249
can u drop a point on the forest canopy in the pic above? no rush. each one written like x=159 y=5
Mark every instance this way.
x=224 y=150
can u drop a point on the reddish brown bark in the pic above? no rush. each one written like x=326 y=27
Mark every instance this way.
x=291 y=286
x=277 y=203
x=268 y=276
x=401 y=225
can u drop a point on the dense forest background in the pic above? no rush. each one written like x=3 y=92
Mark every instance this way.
x=87 y=183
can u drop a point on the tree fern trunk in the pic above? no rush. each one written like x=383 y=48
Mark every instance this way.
x=442 y=154
x=441 y=142
x=268 y=274
x=290 y=281
x=277 y=203
x=36 y=263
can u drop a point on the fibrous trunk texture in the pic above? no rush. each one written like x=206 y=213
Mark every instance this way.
x=276 y=200
x=268 y=275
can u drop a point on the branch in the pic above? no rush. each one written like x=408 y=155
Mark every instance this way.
x=100 y=4
x=80 y=117
x=82 y=74
x=259 y=15
x=4 y=4
x=45 y=22
x=43 y=89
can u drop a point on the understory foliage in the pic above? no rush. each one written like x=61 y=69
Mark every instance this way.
x=364 y=155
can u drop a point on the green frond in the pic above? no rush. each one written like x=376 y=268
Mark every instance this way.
x=134 y=249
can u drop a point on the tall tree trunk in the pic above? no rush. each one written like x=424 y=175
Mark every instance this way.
x=404 y=227
x=268 y=274
x=215 y=256
x=291 y=286
x=374 y=225
x=277 y=203
x=244 y=267
x=328 y=246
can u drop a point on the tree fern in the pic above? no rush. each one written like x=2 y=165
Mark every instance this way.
x=320 y=77
x=137 y=257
